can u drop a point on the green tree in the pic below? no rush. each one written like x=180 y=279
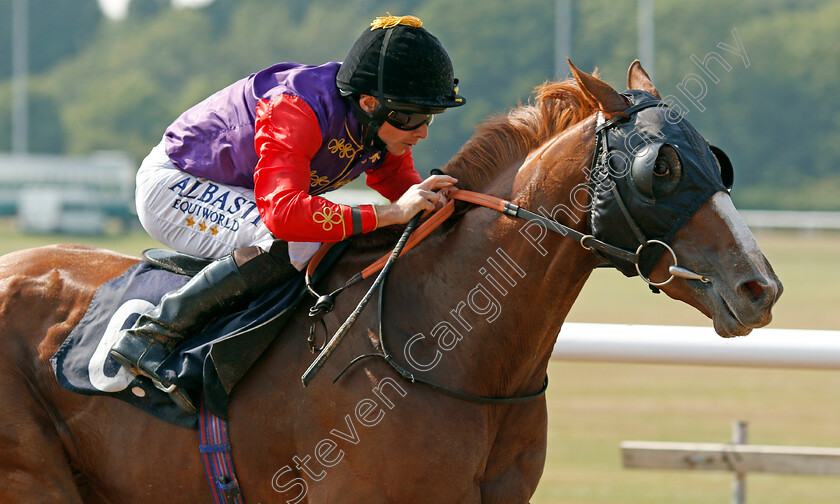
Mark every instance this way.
x=499 y=52
x=57 y=30
x=142 y=10
x=776 y=117
x=123 y=91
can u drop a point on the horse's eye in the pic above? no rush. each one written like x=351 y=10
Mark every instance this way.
x=656 y=171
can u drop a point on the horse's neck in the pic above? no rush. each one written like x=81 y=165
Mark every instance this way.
x=486 y=301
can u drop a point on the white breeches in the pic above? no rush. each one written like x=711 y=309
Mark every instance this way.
x=201 y=217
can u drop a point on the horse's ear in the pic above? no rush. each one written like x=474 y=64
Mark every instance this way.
x=599 y=91
x=637 y=78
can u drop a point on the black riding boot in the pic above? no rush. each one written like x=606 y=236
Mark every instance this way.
x=143 y=347
x=184 y=312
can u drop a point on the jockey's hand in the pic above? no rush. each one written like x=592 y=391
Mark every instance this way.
x=426 y=196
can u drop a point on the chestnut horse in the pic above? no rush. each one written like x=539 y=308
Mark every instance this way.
x=476 y=307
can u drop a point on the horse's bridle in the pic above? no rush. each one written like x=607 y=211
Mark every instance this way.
x=610 y=253
x=605 y=250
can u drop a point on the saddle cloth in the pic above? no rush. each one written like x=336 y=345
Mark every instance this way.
x=208 y=364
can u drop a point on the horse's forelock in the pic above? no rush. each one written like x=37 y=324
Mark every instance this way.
x=503 y=139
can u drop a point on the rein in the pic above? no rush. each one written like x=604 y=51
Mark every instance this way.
x=330 y=346
x=408 y=375
x=326 y=303
x=587 y=241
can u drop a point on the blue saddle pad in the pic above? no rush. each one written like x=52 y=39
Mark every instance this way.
x=207 y=364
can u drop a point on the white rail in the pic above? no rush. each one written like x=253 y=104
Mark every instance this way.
x=737 y=457
x=785 y=348
x=781 y=219
x=803 y=460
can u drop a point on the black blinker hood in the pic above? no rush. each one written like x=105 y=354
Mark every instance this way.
x=612 y=186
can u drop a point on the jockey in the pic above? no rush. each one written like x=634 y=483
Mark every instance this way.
x=238 y=177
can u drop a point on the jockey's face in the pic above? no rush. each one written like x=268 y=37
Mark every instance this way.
x=397 y=141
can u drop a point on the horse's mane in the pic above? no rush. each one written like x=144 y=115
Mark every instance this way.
x=503 y=139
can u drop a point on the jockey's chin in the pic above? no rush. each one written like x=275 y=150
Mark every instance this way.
x=398 y=141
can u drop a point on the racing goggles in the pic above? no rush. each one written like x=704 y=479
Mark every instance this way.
x=408 y=121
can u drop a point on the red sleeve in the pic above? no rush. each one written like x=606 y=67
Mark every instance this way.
x=287 y=138
x=394 y=176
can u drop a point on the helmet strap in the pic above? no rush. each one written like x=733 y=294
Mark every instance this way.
x=380 y=113
x=371 y=122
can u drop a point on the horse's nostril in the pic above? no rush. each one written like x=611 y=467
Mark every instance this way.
x=753 y=288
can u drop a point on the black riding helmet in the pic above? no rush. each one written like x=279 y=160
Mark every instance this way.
x=405 y=67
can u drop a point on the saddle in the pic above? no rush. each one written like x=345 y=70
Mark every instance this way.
x=207 y=366
x=176 y=262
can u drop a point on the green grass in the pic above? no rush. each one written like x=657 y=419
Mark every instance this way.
x=806 y=264
x=130 y=243
x=593 y=407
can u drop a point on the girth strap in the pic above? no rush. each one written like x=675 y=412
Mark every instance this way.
x=215 y=453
